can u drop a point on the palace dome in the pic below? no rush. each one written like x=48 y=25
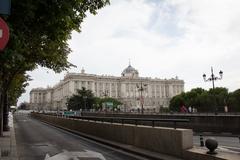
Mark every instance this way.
x=130 y=72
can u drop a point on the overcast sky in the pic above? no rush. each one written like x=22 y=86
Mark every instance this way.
x=162 y=38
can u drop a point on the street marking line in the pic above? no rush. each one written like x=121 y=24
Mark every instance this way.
x=74 y=155
x=228 y=149
x=231 y=147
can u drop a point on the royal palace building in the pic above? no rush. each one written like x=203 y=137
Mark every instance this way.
x=129 y=88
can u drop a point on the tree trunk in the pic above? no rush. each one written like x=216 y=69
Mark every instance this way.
x=5 y=113
x=1 y=114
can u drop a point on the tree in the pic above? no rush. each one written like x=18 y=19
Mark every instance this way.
x=39 y=31
x=24 y=106
x=176 y=102
x=205 y=102
x=202 y=100
x=198 y=90
x=190 y=98
x=84 y=99
x=233 y=101
x=17 y=87
x=97 y=103
x=114 y=101
x=221 y=96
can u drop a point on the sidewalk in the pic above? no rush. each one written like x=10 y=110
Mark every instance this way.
x=8 y=147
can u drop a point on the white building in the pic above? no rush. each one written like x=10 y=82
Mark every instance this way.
x=155 y=92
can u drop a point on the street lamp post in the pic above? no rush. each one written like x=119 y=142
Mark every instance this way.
x=141 y=88
x=213 y=78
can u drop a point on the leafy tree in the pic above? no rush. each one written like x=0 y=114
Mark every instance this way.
x=17 y=87
x=219 y=96
x=198 y=90
x=176 y=102
x=190 y=98
x=84 y=99
x=97 y=105
x=24 y=106
x=39 y=31
x=233 y=101
x=203 y=100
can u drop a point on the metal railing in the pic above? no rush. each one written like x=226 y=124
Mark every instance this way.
x=136 y=121
x=165 y=113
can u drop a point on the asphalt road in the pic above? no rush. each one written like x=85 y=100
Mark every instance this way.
x=38 y=141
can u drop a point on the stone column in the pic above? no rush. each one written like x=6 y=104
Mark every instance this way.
x=171 y=90
x=116 y=90
x=155 y=91
x=110 y=89
x=93 y=86
x=164 y=91
x=123 y=90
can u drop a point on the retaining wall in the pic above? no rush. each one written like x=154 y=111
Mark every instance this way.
x=159 y=139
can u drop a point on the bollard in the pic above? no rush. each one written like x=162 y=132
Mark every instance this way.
x=211 y=144
x=201 y=141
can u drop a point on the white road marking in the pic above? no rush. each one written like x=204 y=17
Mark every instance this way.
x=230 y=149
x=75 y=155
x=47 y=156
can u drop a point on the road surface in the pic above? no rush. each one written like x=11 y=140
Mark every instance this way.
x=38 y=141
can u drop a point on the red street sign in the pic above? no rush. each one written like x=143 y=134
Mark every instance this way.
x=4 y=34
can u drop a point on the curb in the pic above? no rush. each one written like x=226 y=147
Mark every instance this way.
x=13 y=144
x=8 y=149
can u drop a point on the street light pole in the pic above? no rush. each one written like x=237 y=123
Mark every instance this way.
x=141 y=89
x=213 y=78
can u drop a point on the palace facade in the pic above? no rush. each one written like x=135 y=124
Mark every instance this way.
x=128 y=88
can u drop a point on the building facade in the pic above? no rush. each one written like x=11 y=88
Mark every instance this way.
x=129 y=88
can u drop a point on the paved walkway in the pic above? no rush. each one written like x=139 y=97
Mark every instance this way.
x=8 y=150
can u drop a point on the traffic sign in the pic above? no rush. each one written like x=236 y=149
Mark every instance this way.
x=4 y=34
x=69 y=113
x=109 y=104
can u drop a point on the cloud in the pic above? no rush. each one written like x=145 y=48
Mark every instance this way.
x=163 y=38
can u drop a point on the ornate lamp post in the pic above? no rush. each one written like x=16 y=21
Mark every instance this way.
x=213 y=78
x=141 y=88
